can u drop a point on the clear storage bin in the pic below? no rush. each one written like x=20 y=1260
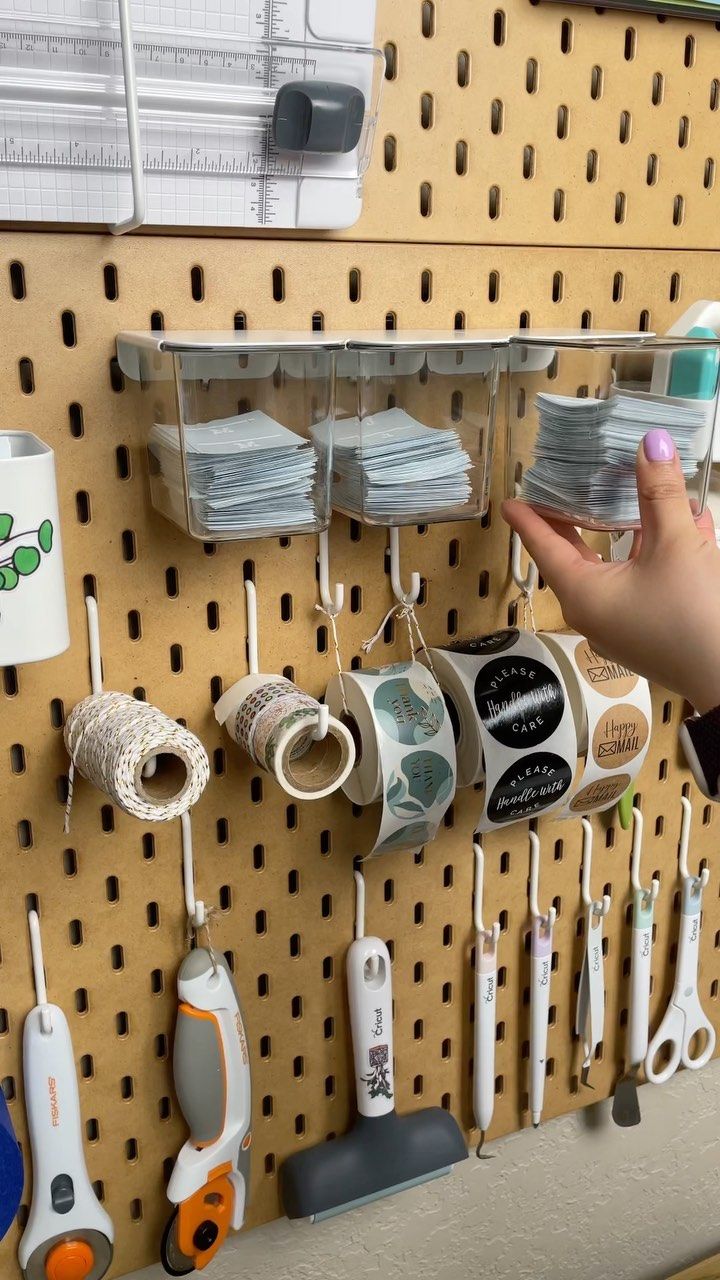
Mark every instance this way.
x=414 y=425
x=239 y=429
x=579 y=407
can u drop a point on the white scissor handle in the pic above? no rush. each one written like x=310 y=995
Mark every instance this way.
x=670 y=1031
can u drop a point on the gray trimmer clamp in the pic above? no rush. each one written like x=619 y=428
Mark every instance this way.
x=319 y=116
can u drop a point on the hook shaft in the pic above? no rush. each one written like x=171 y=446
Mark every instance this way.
x=93 y=626
x=195 y=910
x=704 y=876
x=252 y=626
x=524 y=582
x=649 y=895
x=535 y=911
x=489 y=935
x=332 y=602
x=38 y=966
x=359 y=904
x=403 y=597
x=600 y=906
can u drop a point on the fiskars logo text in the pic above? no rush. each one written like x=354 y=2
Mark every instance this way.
x=54 y=1107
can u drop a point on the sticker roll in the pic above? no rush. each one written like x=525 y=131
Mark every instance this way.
x=274 y=721
x=406 y=760
x=513 y=723
x=613 y=719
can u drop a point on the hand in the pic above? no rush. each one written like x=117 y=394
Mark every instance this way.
x=657 y=613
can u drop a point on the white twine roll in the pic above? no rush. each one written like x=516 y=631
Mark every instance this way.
x=111 y=737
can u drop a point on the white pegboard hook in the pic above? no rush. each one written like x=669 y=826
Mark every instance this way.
x=649 y=895
x=535 y=911
x=197 y=914
x=137 y=176
x=492 y=934
x=524 y=582
x=359 y=904
x=331 y=603
x=702 y=879
x=38 y=965
x=252 y=626
x=374 y=961
x=403 y=597
x=600 y=906
x=93 y=626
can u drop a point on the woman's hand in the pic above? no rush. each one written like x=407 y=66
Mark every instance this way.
x=658 y=613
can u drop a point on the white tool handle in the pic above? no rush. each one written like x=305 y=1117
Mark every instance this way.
x=641 y=961
x=485 y=1026
x=55 y=1123
x=540 y=976
x=370 y=998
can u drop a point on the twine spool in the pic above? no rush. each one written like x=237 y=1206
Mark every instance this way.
x=111 y=737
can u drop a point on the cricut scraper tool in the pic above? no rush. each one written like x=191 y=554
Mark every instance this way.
x=211 y=1068
x=384 y=1152
x=486 y=943
x=68 y=1236
x=626 y=1106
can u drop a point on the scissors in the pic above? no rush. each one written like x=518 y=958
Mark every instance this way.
x=684 y=1016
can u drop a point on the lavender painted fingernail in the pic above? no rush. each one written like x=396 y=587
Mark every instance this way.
x=659 y=445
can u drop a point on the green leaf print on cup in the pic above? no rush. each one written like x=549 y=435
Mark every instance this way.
x=409 y=708
x=21 y=553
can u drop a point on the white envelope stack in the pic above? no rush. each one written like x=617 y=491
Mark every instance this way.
x=245 y=473
x=392 y=465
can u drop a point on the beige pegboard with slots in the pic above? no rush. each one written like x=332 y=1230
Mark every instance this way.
x=172 y=618
x=543 y=123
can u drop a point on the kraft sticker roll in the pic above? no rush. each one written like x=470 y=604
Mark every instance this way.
x=406 y=754
x=513 y=722
x=612 y=710
x=274 y=721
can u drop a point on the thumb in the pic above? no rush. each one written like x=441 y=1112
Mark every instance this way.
x=664 y=506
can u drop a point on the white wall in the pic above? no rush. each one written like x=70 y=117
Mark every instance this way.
x=577 y=1200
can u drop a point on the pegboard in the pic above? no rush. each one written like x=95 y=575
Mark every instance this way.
x=525 y=121
x=531 y=122
x=172 y=618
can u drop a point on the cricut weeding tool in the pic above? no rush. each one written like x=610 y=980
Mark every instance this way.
x=626 y=1104
x=210 y=1183
x=541 y=945
x=486 y=941
x=68 y=1236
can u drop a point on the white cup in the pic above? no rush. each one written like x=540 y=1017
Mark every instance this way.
x=33 y=607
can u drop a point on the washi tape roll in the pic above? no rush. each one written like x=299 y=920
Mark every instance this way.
x=613 y=717
x=406 y=751
x=274 y=722
x=513 y=723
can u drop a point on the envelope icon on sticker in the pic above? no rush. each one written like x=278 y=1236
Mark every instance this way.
x=597 y=674
x=607 y=749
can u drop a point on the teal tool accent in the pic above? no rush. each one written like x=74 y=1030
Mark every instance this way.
x=694 y=374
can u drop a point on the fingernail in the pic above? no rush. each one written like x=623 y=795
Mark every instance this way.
x=659 y=445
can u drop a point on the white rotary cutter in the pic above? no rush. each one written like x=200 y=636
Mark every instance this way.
x=68 y=1236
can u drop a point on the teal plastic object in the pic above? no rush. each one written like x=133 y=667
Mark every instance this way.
x=694 y=374
x=11 y=1170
